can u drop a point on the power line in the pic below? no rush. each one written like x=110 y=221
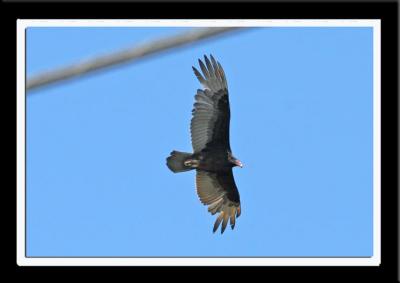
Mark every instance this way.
x=123 y=56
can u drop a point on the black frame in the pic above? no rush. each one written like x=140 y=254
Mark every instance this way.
x=387 y=12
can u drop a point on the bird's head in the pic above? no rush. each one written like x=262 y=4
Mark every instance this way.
x=234 y=161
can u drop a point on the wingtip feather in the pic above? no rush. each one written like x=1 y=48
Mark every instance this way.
x=224 y=222
x=217 y=222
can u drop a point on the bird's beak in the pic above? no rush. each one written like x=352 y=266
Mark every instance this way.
x=238 y=163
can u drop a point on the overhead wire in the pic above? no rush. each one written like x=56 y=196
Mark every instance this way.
x=127 y=55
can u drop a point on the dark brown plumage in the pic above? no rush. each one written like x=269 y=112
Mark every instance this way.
x=212 y=158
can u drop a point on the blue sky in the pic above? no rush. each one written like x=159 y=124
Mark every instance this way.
x=301 y=105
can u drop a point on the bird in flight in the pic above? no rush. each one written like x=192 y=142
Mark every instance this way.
x=212 y=156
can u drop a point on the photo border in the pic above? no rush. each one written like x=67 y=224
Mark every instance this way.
x=23 y=260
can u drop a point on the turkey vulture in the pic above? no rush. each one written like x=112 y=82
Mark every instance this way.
x=212 y=158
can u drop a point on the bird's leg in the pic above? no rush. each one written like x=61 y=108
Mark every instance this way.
x=194 y=163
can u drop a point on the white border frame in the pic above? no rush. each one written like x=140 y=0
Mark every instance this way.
x=375 y=260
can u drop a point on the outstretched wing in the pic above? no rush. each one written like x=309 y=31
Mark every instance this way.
x=219 y=192
x=211 y=114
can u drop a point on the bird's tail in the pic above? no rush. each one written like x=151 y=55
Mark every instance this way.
x=176 y=161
